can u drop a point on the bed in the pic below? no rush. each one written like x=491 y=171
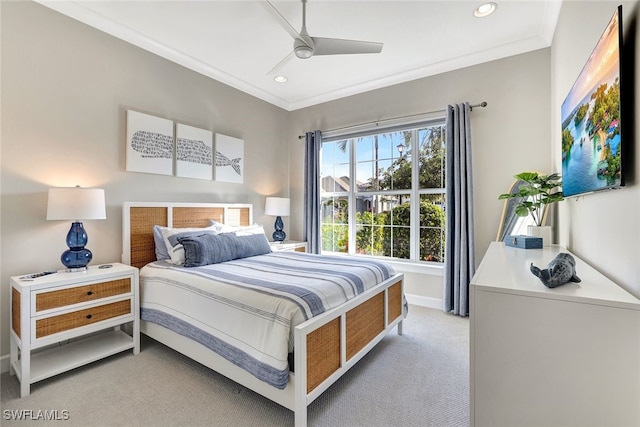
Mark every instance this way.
x=325 y=343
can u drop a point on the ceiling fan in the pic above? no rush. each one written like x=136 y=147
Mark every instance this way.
x=305 y=46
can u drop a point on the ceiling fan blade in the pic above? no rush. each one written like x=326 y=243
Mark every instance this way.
x=281 y=19
x=281 y=64
x=326 y=46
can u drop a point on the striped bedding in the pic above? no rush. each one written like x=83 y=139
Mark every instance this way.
x=245 y=310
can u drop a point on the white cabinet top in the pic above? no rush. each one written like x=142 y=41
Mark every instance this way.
x=62 y=277
x=505 y=269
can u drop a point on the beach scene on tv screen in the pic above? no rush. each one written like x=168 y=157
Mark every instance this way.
x=591 y=121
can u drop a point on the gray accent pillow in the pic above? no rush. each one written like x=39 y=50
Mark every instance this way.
x=216 y=248
x=174 y=239
x=161 y=248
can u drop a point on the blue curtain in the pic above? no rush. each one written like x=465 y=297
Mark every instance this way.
x=459 y=262
x=312 y=191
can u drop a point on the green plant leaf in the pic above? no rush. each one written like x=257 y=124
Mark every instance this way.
x=527 y=176
x=536 y=192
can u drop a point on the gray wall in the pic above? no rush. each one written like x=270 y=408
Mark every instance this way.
x=65 y=91
x=602 y=228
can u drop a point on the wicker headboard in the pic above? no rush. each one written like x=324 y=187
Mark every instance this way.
x=138 y=219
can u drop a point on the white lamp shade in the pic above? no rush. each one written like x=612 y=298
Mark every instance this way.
x=76 y=204
x=277 y=206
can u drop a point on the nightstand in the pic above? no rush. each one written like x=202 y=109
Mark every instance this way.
x=65 y=320
x=288 y=245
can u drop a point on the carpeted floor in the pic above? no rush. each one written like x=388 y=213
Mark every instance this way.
x=418 y=379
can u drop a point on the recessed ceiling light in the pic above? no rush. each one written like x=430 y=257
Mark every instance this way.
x=485 y=9
x=280 y=79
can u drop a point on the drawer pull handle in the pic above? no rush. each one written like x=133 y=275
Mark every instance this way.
x=88 y=316
x=90 y=293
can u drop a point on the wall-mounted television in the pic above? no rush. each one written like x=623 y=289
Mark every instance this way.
x=591 y=137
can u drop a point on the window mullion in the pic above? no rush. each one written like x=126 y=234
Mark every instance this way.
x=351 y=250
x=414 y=223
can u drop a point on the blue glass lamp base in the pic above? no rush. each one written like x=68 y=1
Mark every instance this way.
x=76 y=260
x=279 y=235
x=77 y=256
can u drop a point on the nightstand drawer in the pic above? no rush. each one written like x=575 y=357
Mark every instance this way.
x=76 y=319
x=80 y=294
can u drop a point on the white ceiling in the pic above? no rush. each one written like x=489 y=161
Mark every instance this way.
x=239 y=42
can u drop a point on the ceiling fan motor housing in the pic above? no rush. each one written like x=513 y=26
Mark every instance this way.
x=302 y=49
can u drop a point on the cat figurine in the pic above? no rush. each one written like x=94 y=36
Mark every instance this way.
x=561 y=270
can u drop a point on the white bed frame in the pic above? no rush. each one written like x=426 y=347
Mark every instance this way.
x=345 y=330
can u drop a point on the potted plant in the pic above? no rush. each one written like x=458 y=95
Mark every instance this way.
x=535 y=194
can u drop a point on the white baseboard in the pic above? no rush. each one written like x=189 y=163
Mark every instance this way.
x=428 y=302
x=4 y=363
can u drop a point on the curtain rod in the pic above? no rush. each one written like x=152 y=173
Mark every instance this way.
x=471 y=107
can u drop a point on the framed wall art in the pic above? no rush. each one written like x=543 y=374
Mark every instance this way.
x=194 y=152
x=229 y=159
x=149 y=144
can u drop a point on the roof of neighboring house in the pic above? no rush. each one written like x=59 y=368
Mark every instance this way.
x=332 y=184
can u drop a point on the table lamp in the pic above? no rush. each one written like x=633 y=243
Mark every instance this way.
x=278 y=207
x=76 y=204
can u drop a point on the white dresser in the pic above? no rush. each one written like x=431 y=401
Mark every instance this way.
x=568 y=356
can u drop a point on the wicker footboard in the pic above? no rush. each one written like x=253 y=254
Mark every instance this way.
x=362 y=324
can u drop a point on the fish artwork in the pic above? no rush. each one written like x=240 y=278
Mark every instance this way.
x=222 y=160
x=193 y=151
x=152 y=145
x=561 y=270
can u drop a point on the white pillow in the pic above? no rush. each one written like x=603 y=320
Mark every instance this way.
x=239 y=230
x=249 y=230
x=176 y=252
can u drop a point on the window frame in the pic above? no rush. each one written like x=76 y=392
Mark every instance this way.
x=415 y=192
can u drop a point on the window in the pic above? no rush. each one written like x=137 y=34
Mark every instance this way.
x=383 y=194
